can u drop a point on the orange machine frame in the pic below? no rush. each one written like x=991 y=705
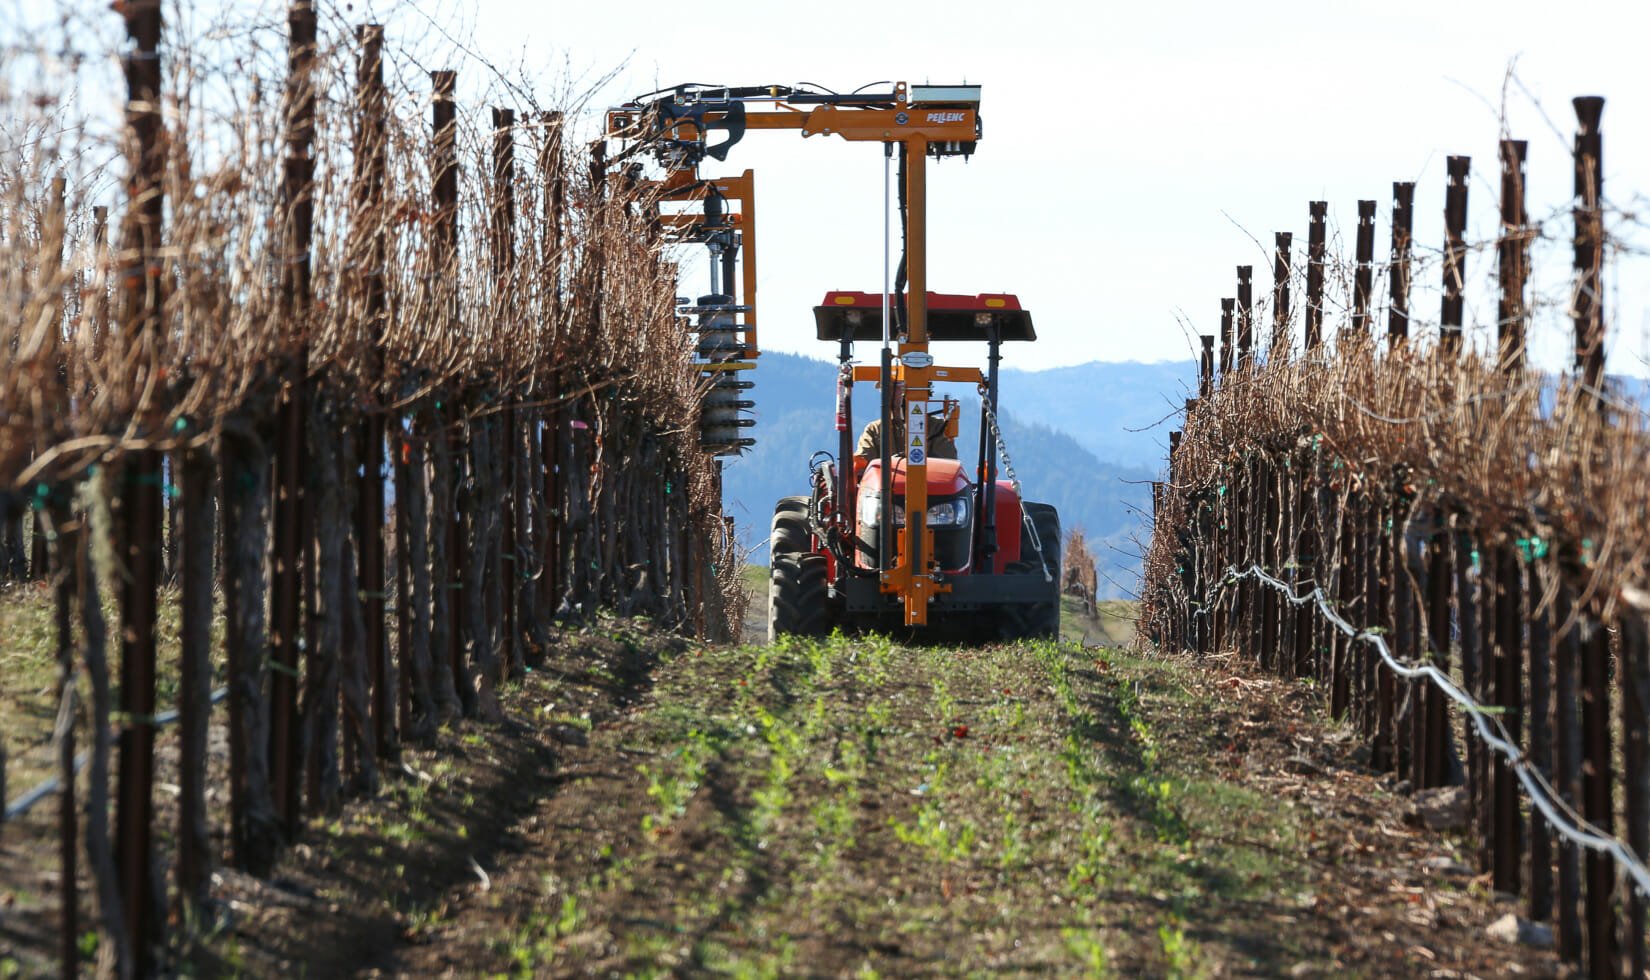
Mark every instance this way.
x=686 y=185
x=917 y=127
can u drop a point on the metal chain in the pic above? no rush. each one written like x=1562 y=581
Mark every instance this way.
x=1008 y=467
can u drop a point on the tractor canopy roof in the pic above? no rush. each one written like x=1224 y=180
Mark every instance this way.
x=951 y=316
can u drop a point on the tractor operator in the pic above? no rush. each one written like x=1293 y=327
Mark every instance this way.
x=940 y=445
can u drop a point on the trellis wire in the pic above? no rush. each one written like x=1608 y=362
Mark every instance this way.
x=1541 y=793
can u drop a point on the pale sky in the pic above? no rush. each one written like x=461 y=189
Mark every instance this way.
x=1131 y=153
x=1116 y=135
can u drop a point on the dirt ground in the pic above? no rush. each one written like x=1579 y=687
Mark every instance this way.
x=857 y=807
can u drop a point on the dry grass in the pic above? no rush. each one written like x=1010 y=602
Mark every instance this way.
x=571 y=299
x=1454 y=435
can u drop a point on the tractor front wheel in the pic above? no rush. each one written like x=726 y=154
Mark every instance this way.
x=1039 y=554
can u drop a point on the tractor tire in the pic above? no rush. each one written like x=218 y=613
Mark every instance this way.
x=790 y=535
x=1039 y=620
x=798 y=598
x=798 y=594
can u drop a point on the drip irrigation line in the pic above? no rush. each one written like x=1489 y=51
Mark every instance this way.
x=23 y=804
x=1559 y=815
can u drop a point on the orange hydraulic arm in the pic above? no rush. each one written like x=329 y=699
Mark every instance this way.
x=685 y=186
x=928 y=121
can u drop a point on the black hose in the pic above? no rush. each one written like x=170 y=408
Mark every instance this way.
x=886 y=523
x=898 y=307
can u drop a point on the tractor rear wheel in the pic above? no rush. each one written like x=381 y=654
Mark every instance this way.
x=1038 y=620
x=790 y=534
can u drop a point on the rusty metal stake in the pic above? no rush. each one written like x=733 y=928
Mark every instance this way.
x=1513 y=257
x=1567 y=767
x=1270 y=548
x=1596 y=803
x=371 y=151
x=1342 y=649
x=59 y=534
x=1281 y=264
x=1509 y=679
x=290 y=531
x=1226 y=346
x=1633 y=668
x=140 y=507
x=1363 y=280
x=1478 y=672
x=504 y=261
x=196 y=535
x=1389 y=570
x=1403 y=224
x=1542 y=655
x=444 y=167
x=1428 y=764
x=1588 y=301
x=550 y=436
x=1455 y=254
x=64 y=548
x=1314 y=273
x=1306 y=563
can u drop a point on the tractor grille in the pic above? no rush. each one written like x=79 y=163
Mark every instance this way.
x=951 y=547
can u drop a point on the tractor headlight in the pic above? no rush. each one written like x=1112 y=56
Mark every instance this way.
x=948 y=513
x=870 y=508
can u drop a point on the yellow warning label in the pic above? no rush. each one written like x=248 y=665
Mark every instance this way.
x=916 y=431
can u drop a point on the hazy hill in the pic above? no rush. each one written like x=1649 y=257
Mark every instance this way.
x=1117 y=410
x=1055 y=434
x=1087 y=438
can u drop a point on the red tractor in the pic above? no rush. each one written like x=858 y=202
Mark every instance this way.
x=872 y=547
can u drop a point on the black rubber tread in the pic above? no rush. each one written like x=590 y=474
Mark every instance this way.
x=1040 y=620
x=790 y=535
x=798 y=601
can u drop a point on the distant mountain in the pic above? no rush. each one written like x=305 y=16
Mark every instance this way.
x=1068 y=441
x=1121 y=411
x=1087 y=438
